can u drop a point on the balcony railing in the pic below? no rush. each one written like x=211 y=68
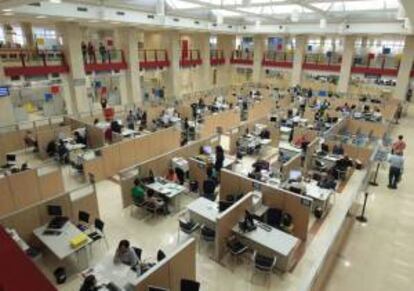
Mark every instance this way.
x=384 y=65
x=323 y=62
x=190 y=58
x=153 y=59
x=108 y=60
x=25 y=62
x=217 y=57
x=277 y=59
x=241 y=57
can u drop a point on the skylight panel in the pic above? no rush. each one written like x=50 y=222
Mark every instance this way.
x=178 y=4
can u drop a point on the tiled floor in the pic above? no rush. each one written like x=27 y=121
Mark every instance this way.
x=377 y=256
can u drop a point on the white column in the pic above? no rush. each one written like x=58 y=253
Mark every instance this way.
x=72 y=38
x=172 y=76
x=205 y=77
x=6 y=106
x=225 y=43
x=298 y=60
x=346 y=65
x=127 y=40
x=406 y=64
x=259 y=48
x=28 y=34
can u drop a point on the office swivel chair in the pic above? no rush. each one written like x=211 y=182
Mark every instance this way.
x=189 y=285
x=187 y=226
x=209 y=187
x=263 y=263
x=160 y=255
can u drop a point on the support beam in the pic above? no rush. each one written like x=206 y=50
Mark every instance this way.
x=403 y=78
x=298 y=60
x=346 y=65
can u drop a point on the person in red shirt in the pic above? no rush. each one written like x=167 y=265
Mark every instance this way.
x=171 y=176
x=399 y=146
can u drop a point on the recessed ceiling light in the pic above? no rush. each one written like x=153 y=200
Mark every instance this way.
x=70 y=19
x=7 y=10
x=41 y=17
x=93 y=21
x=55 y=1
x=8 y=14
x=115 y=22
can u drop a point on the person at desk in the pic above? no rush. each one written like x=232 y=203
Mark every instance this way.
x=63 y=152
x=171 y=175
x=138 y=191
x=218 y=164
x=341 y=167
x=144 y=119
x=338 y=149
x=90 y=284
x=157 y=202
x=324 y=149
x=116 y=127
x=30 y=141
x=125 y=254
x=286 y=223
x=24 y=167
x=377 y=115
x=201 y=103
x=130 y=120
x=209 y=185
x=78 y=138
x=328 y=182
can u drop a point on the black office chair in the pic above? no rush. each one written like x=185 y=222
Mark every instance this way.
x=98 y=233
x=207 y=234
x=274 y=216
x=138 y=252
x=180 y=175
x=209 y=188
x=139 y=203
x=263 y=263
x=189 y=285
x=236 y=247
x=160 y=255
x=155 y=288
x=83 y=220
x=188 y=227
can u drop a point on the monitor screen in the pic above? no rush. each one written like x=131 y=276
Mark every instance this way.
x=207 y=150
x=54 y=210
x=11 y=158
x=295 y=175
x=4 y=91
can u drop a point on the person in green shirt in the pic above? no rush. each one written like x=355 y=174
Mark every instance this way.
x=138 y=191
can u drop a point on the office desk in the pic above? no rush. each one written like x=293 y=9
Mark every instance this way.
x=168 y=189
x=320 y=196
x=273 y=242
x=204 y=211
x=285 y=129
x=126 y=132
x=287 y=146
x=106 y=271
x=59 y=245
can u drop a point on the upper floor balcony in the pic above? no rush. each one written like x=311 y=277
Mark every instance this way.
x=382 y=65
x=329 y=61
x=108 y=60
x=152 y=59
x=241 y=57
x=26 y=62
x=217 y=57
x=190 y=58
x=277 y=59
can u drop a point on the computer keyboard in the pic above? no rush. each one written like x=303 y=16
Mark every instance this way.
x=51 y=232
x=264 y=226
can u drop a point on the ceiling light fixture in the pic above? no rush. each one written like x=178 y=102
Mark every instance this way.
x=41 y=17
x=322 y=23
x=219 y=19
x=55 y=1
x=7 y=10
x=294 y=17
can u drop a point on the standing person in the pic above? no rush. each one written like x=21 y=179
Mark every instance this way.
x=84 y=48
x=102 y=52
x=218 y=164
x=91 y=53
x=396 y=161
x=399 y=145
x=130 y=120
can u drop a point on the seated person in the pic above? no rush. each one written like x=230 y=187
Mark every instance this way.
x=209 y=185
x=24 y=167
x=125 y=254
x=297 y=186
x=138 y=191
x=157 y=202
x=286 y=223
x=78 y=138
x=282 y=158
x=90 y=284
x=116 y=127
x=341 y=167
x=171 y=175
x=377 y=116
x=261 y=165
x=256 y=174
x=324 y=149
x=328 y=182
x=338 y=149
x=30 y=140
x=63 y=152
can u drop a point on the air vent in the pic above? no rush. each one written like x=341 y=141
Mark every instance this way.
x=196 y=22
x=230 y=26
x=36 y=4
x=121 y=13
x=176 y=19
x=280 y=27
x=150 y=16
x=82 y=9
x=214 y=24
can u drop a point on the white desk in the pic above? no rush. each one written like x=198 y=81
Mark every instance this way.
x=126 y=132
x=285 y=129
x=287 y=146
x=59 y=245
x=275 y=242
x=74 y=147
x=107 y=271
x=168 y=189
x=203 y=211
x=319 y=195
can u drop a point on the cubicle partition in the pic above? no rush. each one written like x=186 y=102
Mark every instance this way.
x=126 y=153
x=363 y=154
x=372 y=129
x=47 y=135
x=310 y=152
x=223 y=120
x=303 y=131
x=168 y=273
x=29 y=187
x=294 y=163
x=298 y=206
x=25 y=219
x=261 y=109
x=227 y=220
x=160 y=164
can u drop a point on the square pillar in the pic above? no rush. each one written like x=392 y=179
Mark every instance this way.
x=259 y=48
x=298 y=60
x=172 y=76
x=205 y=78
x=6 y=106
x=224 y=72
x=404 y=72
x=346 y=64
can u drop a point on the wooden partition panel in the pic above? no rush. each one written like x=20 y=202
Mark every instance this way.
x=295 y=163
x=7 y=203
x=51 y=184
x=302 y=131
x=96 y=136
x=227 y=220
x=44 y=137
x=25 y=188
x=261 y=109
x=88 y=203
x=355 y=152
x=225 y=120
x=95 y=167
x=312 y=148
x=375 y=128
x=112 y=159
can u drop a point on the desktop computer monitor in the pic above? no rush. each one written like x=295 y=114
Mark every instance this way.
x=295 y=175
x=54 y=210
x=223 y=205
x=207 y=150
x=10 y=158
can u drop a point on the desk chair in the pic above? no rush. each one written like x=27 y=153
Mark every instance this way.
x=263 y=263
x=83 y=220
x=138 y=252
x=209 y=188
x=236 y=248
x=155 y=288
x=98 y=233
x=274 y=217
x=189 y=285
x=160 y=255
x=187 y=226
x=207 y=234
x=140 y=204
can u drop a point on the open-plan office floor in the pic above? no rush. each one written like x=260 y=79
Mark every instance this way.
x=376 y=256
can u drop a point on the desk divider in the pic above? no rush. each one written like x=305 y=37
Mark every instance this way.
x=169 y=272
x=362 y=154
x=227 y=220
x=296 y=205
x=51 y=183
x=25 y=188
x=24 y=220
x=261 y=109
x=301 y=131
x=7 y=201
x=96 y=136
x=159 y=165
x=223 y=120
x=45 y=136
x=310 y=152
x=377 y=129
x=295 y=163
